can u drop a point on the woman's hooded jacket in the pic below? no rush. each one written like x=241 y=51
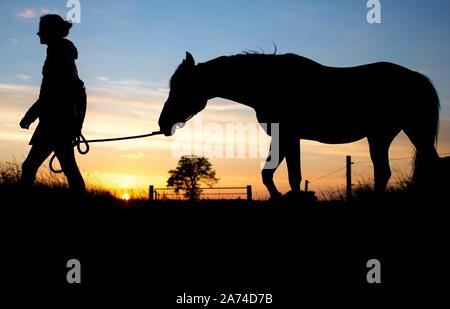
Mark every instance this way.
x=61 y=106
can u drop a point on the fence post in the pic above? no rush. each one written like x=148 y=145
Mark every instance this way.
x=349 y=177
x=151 y=193
x=306 y=185
x=249 y=193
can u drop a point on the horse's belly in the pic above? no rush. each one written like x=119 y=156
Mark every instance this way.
x=334 y=135
x=334 y=140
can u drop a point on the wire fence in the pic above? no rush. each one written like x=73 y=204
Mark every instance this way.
x=367 y=162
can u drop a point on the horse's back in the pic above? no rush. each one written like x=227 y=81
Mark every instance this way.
x=337 y=104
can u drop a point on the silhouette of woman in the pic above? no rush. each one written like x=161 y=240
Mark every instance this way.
x=61 y=106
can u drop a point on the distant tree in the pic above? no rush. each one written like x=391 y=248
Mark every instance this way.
x=191 y=172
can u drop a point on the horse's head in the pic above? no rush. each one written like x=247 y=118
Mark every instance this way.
x=185 y=98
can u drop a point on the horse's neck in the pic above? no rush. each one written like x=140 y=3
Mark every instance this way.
x=219 y=79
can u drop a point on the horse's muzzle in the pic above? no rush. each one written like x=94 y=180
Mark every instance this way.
x=167 y=131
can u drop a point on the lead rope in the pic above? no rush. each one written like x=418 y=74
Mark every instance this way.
x=82 y=140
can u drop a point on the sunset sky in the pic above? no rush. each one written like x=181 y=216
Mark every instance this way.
x=129 y=49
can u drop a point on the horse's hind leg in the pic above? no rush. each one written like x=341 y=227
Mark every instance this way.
x=379 y=153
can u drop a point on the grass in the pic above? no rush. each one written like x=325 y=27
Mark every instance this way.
x=363 y=190
x=216 y=242
x=48 y=182
x=50 y=196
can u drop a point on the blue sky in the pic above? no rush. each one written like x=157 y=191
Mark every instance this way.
x=129 y=49
x=146 y=39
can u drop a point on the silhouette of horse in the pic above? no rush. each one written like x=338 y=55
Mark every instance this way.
x=315 y=102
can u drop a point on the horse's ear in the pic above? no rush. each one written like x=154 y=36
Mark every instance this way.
x=189 y=59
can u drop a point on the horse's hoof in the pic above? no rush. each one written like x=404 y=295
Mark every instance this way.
x=300 y=196
x=276 y=197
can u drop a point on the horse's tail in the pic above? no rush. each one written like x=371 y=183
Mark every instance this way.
x=426 y=129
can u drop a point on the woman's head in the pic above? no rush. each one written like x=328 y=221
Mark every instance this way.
x=53 y=27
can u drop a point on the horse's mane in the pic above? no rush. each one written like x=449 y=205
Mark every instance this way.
x=260 y=53
x=267 y=58
x=251 y=54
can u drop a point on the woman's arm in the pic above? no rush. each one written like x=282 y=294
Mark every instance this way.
x=31 y=115
x=35 y=110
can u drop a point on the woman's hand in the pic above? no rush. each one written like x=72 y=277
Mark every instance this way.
x=24 y=123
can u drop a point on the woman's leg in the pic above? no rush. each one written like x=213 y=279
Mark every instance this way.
x=66 y=158
x=36 y=156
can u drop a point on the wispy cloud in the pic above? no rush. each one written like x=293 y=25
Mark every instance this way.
x=17 y=89
x=31 y=13
x=102 y=78
x=23 y=76
x=129 y=89
x=27 y=13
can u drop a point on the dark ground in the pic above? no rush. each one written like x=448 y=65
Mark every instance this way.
x=164 y=249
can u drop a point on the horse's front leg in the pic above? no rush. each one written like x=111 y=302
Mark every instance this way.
x=276 y=155
x=293 y=163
